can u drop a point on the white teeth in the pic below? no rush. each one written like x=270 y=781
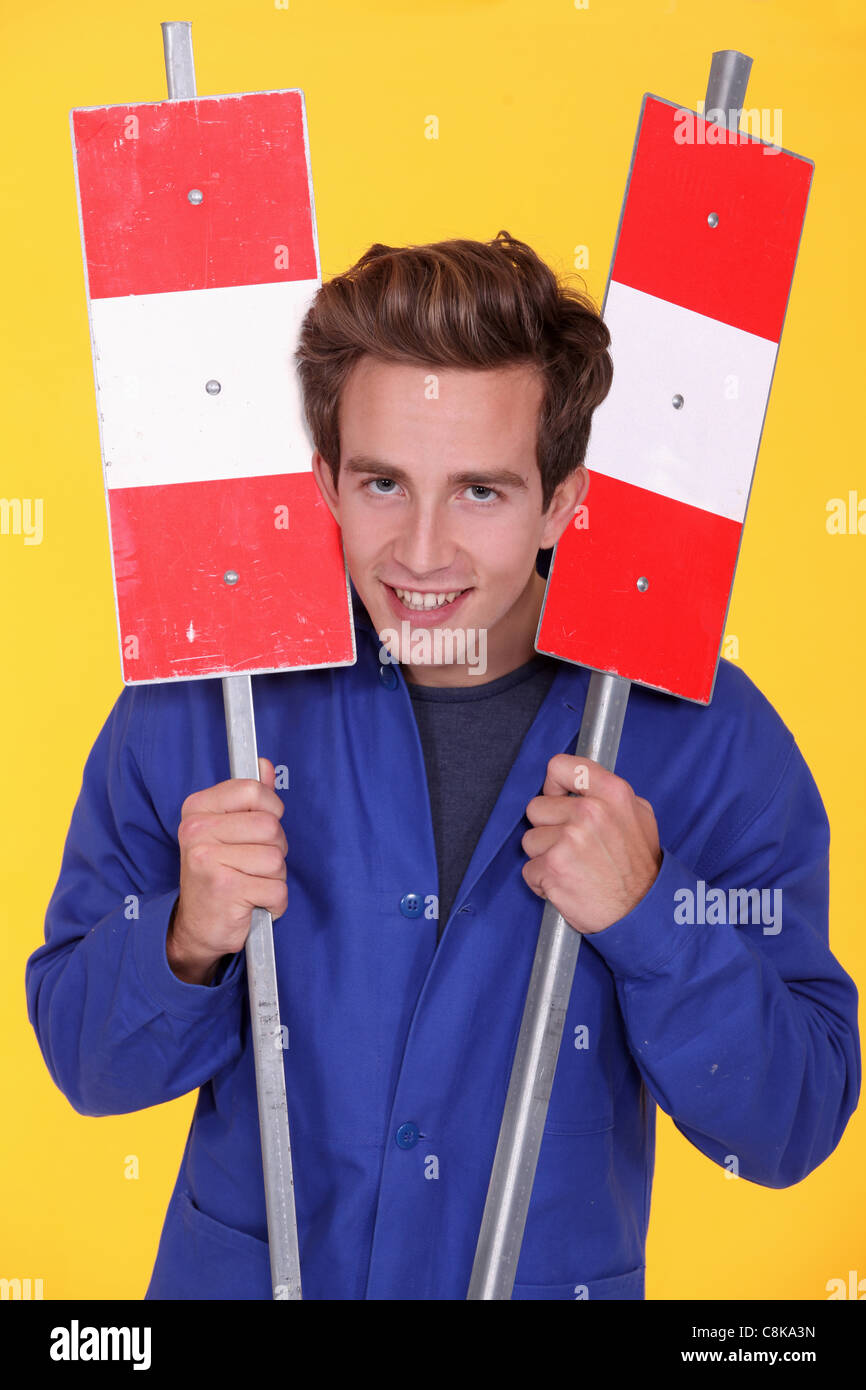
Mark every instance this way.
x=413 y=599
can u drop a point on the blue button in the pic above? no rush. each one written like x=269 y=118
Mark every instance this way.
x=411 y=904
x=407 y=1135
x=388 y=677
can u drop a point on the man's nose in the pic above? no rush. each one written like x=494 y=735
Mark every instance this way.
x=423 y=545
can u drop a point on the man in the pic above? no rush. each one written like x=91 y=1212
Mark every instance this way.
x=425 y=815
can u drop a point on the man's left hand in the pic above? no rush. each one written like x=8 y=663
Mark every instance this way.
x=593 y=854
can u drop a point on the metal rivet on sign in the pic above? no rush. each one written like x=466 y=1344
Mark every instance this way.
x=231 y=576
x=643 y=584
x=713 y=219
x=677 y=402
x=212 y=387
x=195 y=195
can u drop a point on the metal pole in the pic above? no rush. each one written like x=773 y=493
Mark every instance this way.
x=266 y=1029
x=260 y=962
x=726 y=87
x=538 y=1043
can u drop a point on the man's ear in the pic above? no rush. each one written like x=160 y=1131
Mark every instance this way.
x=325 y=483
x=563 y=505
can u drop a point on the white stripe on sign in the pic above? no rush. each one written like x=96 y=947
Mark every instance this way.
x=703 y=453
x=155 y=353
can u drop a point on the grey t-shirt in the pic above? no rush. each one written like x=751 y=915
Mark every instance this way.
x=471 y=736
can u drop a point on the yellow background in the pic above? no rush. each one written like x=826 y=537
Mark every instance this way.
x=537 y=104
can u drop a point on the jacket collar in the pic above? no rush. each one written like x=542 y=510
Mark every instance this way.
x=554 y=730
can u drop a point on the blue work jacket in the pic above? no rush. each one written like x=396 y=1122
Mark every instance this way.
x=399 y=1051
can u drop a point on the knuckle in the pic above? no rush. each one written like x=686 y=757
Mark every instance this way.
x=275 y=859
x=222 y=880
x=575 y=841
x=189 y=805
x=217 y=876
x=592 y=811
x=559 y=856
x=198 y=856
x=190 y=827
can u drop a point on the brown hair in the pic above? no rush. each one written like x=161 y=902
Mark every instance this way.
x=467 y=304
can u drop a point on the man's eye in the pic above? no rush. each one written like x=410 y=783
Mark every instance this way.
x=372 y=485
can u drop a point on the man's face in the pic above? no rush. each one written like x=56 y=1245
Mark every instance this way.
x=439 y=494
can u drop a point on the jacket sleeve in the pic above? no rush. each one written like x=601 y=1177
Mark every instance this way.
x=118 y=1030
x=745 y=1031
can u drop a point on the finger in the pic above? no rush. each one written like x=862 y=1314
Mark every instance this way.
x=257 y=861
x=235 y=794
x=583 y=777
x=539 y=841
x=567 y=775
x=646 y=816
x=557 y=810
x=264 y=890
x=578 y=775
x=233 y=828
x=648 y=824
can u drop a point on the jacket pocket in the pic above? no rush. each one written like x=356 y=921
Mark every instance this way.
x=624 y=1286
x=593 y=1056
x=202 y=1258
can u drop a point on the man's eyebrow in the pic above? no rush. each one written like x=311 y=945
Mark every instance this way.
x=504 y=477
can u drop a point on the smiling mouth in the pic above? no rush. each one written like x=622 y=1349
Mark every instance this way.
x=419 y=601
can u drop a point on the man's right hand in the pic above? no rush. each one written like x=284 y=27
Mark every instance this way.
x=232 y=859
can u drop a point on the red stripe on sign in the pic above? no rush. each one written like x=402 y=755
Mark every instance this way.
x=667 y=636
x=739 y=271
x=179 y=618
x=247 y=157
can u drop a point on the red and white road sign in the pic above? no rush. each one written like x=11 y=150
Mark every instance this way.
x=201 y=259
x=640 y=583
